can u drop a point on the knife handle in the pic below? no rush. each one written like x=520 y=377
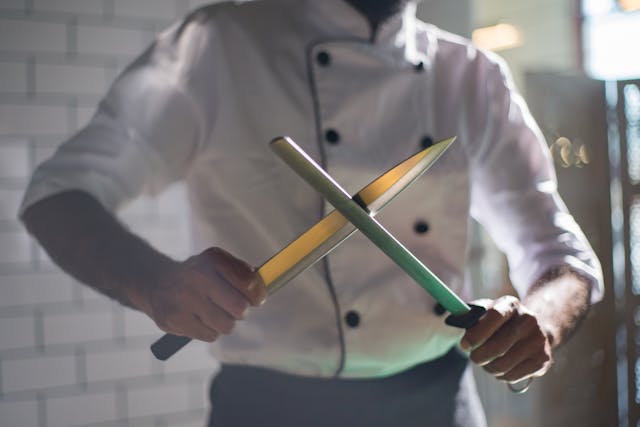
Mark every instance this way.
x=168 y=345
x=468 y=319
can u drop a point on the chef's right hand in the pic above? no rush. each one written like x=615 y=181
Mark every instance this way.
x=204 y=296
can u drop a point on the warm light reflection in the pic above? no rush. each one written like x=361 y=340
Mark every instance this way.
x=570 y=153
x=629 y=5
x=497 y=37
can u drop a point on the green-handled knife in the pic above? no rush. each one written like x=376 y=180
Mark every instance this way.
x=462 y=315
x=329 y=232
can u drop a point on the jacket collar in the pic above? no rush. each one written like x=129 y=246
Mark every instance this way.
x=337 y=19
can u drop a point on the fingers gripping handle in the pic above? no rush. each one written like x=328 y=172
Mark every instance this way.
x=168 y=345
x=466 y=320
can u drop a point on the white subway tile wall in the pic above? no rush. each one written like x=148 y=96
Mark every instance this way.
x=110 y=41
x=70 y=78
x=15 y=247
x=97 y=407
x=19 y=413
x=29 y=120
x=17 y=332
x=14 y=155
x=76 y=7
x=38 y=373
x=9 y=202
x=167 y=398
x=148 y=9
x=32 y=289
x=68 y=355
x=14 y=77
x=22 y=36
x=108 y=365
x=81 y=325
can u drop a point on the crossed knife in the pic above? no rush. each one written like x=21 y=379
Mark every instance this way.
x=350 y=214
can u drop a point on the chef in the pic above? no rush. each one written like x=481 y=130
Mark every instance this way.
x=360 y=85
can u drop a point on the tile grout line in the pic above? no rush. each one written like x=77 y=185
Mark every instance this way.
x=81 y=368
x=31 y=76
x=1 y=390
x=42 y=410
x=39 y=330
x=72 y=38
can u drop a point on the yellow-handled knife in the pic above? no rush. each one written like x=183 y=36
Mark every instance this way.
x=329 y=232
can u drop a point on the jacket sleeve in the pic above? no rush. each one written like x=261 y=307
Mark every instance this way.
x=514 y=189
x=142 y=137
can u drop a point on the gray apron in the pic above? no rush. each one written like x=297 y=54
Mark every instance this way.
x=437 y=393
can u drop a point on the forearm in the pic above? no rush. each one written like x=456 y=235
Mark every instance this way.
x=560 y=300
x=90 y=244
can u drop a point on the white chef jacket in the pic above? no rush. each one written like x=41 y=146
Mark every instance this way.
x=201 y=105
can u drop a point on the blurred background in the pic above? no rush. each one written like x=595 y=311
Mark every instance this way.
x=70 y=357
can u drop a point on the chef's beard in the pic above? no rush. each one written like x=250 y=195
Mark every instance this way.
x=377 y=11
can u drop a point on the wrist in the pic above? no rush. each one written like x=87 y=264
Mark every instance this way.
x=560 y=299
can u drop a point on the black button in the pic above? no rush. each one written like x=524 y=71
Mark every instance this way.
x=419 y=67
x=352 y=318
x=426 y=141
x=332 y=136
x=421 y=227
x=439 y=310
x=323 y=58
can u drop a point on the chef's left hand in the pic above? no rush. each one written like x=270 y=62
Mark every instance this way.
x=508 y=341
